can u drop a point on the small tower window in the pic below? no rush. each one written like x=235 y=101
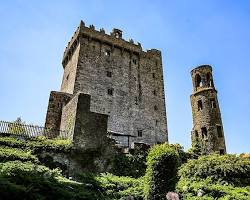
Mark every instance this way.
x=196 y=135
x=204 y=132
x=139 y=133
x=200 y=106
x=134 y=61
x=198 y=81
x=67 y=77
x=136 y=100
x=153 y=75
x=110 y=91
x=155 y=108
x=219 y=131
x=213 y=103
x=156 y=122
x=222 y=151
x=154 y=92
x=109 y=74
x=210 y=80
x=107 y=53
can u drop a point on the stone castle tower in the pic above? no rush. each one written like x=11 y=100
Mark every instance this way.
x=207 y=124
x=124 y=82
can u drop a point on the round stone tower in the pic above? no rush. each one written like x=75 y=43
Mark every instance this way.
x=207 y=129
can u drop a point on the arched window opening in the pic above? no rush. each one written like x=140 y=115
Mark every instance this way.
x=219 y=131
x=204 y=132
x=210 y=80
x=198 y=81
x=196 y=135
x=200 y=106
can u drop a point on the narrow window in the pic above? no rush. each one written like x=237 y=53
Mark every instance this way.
x=107 y=53
x=210 y=80
x=109 y=74
x=155 y=108
x=213 y=103
x=222 y=151
x=154 y=92
x=156 y=122
x=204 y=132
x=67 y=77
x=139 y=133
x=200 y=105
x=134 y=61
x=219 y=131
x=136 y=100
x=153 y=75
x=110 y=91
x=198 y=82
x=196 y=134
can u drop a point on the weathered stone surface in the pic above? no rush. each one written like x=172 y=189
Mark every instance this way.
x=206 y=112
x=57 y=101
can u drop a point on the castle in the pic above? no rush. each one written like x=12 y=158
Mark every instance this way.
x=112 y=87
x=124 y=82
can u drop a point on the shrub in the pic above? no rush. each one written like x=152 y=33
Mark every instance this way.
x=162 y=164
x=8 y=154
x=25 y=180
x=133 y=165
x=215 y=177
x=37 y=143
x=115 y=187
x=227 y=168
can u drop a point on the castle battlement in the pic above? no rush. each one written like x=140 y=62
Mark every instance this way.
x=114 y=40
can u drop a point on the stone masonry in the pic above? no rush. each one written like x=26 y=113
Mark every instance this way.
x=207 y=124
x=125 y=84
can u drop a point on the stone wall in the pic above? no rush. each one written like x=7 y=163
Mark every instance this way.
x=69 y=116
x=57 y=100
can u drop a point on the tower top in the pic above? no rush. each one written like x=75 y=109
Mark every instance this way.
x=201 y=67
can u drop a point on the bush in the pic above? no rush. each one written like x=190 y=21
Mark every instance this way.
x=37 y=143
x=133 y=165
x=115 y=187
x=8 y=154
x=230 y=169
x=161 y=173
x=25 y=180
x=215 y=177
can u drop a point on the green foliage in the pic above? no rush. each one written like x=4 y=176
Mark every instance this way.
x=8 y=154
x=208 y=189
x=162 y=164
x=215 y=177
x=115 y=187
x=37 y=143
x=25 y=180
x=133 y=165
x=227 y=168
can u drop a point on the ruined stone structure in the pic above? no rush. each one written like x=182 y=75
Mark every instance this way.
x=207 y=124
x=125 y=84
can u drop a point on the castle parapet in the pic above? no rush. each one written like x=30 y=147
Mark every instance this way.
x=114 y=39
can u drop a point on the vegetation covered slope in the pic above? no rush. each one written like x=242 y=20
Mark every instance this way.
x=24 y=176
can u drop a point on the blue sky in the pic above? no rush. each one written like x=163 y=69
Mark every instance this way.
x=33 y=35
